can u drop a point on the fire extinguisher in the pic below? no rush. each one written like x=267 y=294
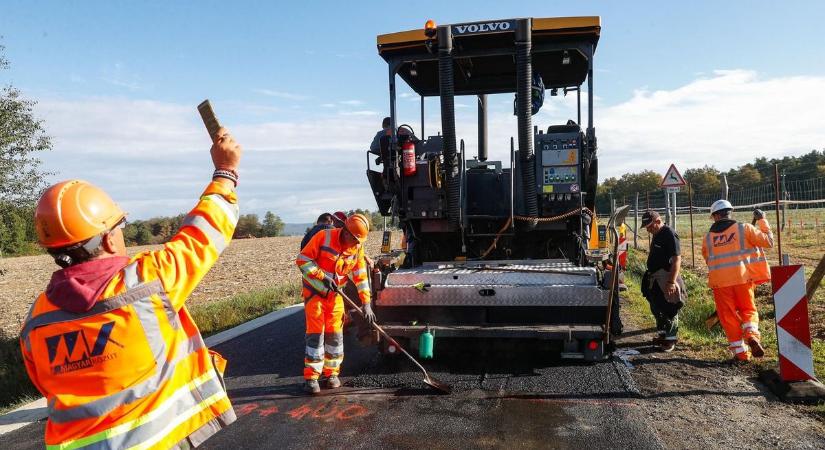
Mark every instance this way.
x=408 y=157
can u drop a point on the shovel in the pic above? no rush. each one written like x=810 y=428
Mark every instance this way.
x=428 y=380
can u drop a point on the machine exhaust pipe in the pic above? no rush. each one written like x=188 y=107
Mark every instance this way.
x=447 y=91
x=524 y=79
x=482 y=127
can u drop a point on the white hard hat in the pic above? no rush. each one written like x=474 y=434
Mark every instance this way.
x=719 y=205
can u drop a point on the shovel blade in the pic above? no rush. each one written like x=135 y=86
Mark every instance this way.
x=440 y=386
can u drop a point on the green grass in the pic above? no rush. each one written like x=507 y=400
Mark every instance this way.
x=692 y=330
x=221 y=315
x=16 y=389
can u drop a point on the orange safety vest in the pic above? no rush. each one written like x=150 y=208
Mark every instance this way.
x=133 y=371
x=734 y=255
x=323 y=256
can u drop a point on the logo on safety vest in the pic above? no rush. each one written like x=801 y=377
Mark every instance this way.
x=72 y=351
x=721 y=239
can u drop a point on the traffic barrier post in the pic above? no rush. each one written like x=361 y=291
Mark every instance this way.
x=796 y=381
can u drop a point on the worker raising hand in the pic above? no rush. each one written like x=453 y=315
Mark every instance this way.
x=226 y=154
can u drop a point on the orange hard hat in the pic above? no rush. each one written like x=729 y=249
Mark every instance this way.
x=74 y=211
x=359 y=226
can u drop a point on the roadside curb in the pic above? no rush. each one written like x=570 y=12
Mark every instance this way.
x=36 y=410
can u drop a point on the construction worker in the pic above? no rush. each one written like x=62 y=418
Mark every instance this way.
x=326 y=262
x=736 y=264
x=110 y=343
x=338 y=219
x=375 y=146
x=324 y=222
x=662 y=283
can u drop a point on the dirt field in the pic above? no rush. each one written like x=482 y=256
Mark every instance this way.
x=247 y=264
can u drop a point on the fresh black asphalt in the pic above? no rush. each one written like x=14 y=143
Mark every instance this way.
x=521 y=400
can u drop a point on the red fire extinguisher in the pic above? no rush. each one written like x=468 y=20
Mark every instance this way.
x=408 y=157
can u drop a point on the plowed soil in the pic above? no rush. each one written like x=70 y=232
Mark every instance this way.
x=247 y=264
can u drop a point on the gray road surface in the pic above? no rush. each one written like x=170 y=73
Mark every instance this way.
x=522 y=401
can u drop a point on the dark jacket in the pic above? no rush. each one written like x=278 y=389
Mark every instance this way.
x=312 y=231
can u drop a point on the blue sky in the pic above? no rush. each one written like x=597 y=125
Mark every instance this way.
x=303 y=89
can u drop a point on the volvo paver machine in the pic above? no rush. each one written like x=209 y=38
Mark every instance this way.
x=494 y=251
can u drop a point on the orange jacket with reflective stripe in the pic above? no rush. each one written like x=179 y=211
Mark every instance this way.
x=323 y=256
x=734 y=255
x=133 y=371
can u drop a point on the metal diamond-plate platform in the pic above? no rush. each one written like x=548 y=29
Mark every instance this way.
x=503 y=283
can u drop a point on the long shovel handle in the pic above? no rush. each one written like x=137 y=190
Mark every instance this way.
x=381 y=330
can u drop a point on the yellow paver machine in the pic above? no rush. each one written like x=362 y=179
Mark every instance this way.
x=495 y=251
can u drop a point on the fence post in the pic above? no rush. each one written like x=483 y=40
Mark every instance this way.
x=636 y=223
x=690 y=212
x=778 y=223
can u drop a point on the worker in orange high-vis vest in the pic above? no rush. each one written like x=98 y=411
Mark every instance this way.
x=110 y=343
x=330 y=257
x=736 y=264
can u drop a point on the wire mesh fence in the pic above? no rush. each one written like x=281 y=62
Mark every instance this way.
x=801 y=216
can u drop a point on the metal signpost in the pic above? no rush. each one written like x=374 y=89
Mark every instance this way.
x=671 y=183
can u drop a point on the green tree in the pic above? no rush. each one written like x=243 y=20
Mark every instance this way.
x=743 y=177
x=248 y=225
x=704 y=180
x=273 y=225
x=22 y=180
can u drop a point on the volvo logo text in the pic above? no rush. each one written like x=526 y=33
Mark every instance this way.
x=489 y=27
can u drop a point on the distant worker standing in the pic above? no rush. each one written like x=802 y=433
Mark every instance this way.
x=736 y=264
x=110 y=343
x=662 y=284
x=326 y=262
x=324 y=222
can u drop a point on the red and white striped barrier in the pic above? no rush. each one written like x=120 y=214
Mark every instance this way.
x=792 y=328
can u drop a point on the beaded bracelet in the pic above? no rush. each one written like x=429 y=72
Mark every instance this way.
x=230 y=175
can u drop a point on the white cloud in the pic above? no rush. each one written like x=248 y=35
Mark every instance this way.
x=358 y=113
x=280 y=94
x=153 y=157
x=351 y=102
x=117 y=75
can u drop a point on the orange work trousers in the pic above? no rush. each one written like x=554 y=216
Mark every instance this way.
x=736 y=309
x=324 y=336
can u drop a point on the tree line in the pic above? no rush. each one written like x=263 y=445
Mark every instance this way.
x=707 y=180
x=160 y=229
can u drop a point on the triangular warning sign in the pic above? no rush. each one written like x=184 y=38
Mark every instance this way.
x=672 y=178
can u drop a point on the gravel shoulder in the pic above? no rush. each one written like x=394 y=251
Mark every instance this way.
x=696 y=403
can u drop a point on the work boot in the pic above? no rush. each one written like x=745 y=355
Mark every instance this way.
x=756 y=347
x=312 y=387
x=742 y=357
x=667 y=345
x=333 y=382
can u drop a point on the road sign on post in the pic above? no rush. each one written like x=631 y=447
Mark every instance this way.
x=672 y=178
x=671 y=183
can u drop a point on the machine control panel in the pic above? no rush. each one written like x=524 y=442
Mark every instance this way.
x=558 y=165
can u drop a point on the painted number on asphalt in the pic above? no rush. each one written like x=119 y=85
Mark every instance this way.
x=308 y=411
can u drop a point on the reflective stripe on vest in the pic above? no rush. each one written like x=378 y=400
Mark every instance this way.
x=150 y=428
x=231 y=210
x=199 y=222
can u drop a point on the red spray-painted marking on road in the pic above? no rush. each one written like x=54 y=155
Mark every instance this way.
x=311 y=409
x=246 y=409
x=352 y=412
x=268 y=411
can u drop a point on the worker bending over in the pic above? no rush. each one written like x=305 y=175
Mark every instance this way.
x=110 y=343
x=736 y=264
x=326 y=262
